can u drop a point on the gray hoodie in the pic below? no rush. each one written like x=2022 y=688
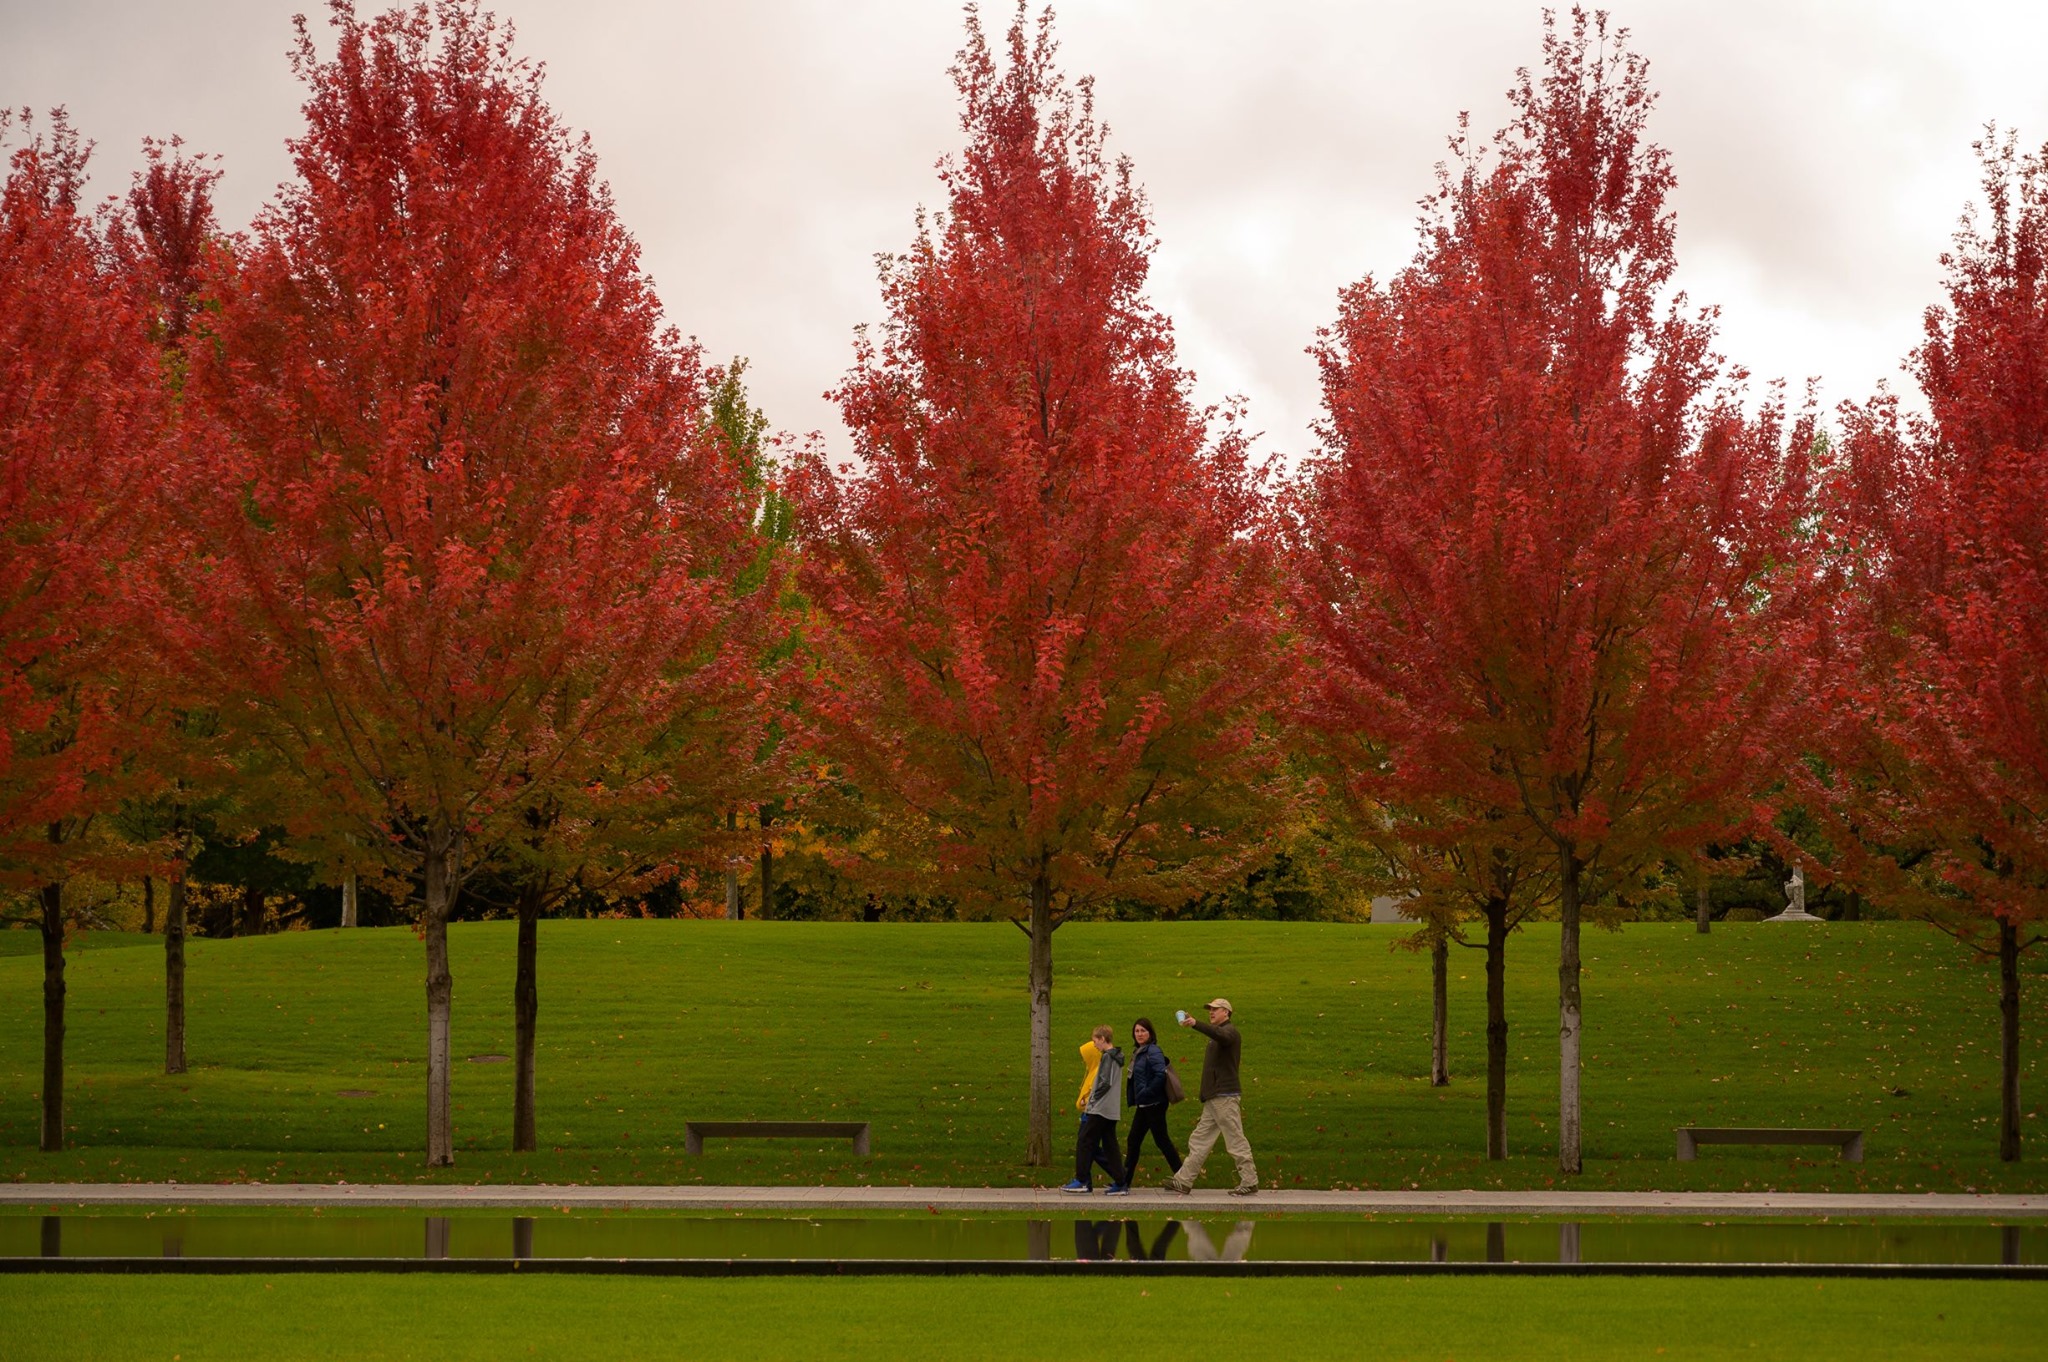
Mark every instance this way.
x=1107 y=1097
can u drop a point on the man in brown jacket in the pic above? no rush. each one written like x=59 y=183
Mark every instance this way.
x=1221 y=1092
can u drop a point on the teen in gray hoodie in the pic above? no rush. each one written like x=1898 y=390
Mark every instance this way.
x=1098 y=1122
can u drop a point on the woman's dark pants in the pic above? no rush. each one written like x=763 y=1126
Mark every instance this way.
x=1150 y=1119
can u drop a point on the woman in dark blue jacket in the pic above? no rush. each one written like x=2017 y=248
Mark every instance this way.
x=1145 y=1094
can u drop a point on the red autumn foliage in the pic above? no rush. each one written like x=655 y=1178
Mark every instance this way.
x=81 y=419
x=477 y=547
x=1533 y=546
x=1045 y=624
x=166 y=231
x=82 y=416
x=1944 y=528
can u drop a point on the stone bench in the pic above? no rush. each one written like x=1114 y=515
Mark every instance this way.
x=695 y=1131
x=1690 y=1138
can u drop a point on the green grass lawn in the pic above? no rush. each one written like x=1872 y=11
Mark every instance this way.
x=307 y=1052
x=448 y=1319
x=31 y=943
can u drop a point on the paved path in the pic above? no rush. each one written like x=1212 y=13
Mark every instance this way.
x=1696 y=1205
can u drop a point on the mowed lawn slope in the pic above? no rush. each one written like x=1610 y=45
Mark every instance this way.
x=307 y=1051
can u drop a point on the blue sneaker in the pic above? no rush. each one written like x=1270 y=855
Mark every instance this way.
x=1078 y=1187
x=1119 y=1189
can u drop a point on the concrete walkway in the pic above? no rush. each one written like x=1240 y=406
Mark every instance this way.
x=972 y=1200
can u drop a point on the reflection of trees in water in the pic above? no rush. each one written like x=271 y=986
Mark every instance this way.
x=1203 y=1249
x=1038 y=1240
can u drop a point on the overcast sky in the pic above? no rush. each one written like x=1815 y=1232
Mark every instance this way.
x=763 y=152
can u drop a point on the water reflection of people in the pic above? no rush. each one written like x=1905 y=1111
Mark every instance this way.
x=1203 y=1249
x=1134 y=1241
x=1096 y=1238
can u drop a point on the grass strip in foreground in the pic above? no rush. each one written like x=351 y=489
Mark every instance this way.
x=449 y=1319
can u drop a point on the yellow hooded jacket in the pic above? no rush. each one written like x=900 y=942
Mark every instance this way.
x=1092 y=1057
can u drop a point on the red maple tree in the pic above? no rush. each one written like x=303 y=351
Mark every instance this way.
x=1535 y=547
x=81 y=419
x=161 y=237
x=1044 y=622
x=466 y=542
x=1943 y=523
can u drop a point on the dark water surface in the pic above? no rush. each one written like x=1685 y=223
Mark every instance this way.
x=135 y=1235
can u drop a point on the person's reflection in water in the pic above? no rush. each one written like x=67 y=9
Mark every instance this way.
x=1203 y=1249
x=1134 y=1242
x=1096 y=1238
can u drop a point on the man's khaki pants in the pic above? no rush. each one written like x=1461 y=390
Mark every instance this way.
x=1220 y=1117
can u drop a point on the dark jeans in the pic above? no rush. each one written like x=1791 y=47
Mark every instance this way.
x=1097 y=1145
x=1150 y=1119
x=1101 y=1159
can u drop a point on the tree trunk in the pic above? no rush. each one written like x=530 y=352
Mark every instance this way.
x=148 y=905
x=1439 y=1012
x=525 y=1021
x=1496 y=1028
x=734 y=910
x=1854 y=912
x=52 y=896
x=351 y=907
x=440 y=998
x=767 y=868
x=2009 y=1029
x=174 y=976
x=1703 y=907
x=1569 y=1154
x=252 y=911
x=1038 y=1143
x=219 y=920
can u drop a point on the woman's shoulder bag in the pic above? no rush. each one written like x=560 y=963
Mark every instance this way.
x=1174 y=1091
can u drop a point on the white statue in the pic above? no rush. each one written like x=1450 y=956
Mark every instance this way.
x=1795 y=900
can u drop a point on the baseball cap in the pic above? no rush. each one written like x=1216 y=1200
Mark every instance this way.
x=1223 y=1003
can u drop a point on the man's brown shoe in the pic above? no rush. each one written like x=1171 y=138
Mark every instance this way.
x=1248 y=1189
x=1179 y=1188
